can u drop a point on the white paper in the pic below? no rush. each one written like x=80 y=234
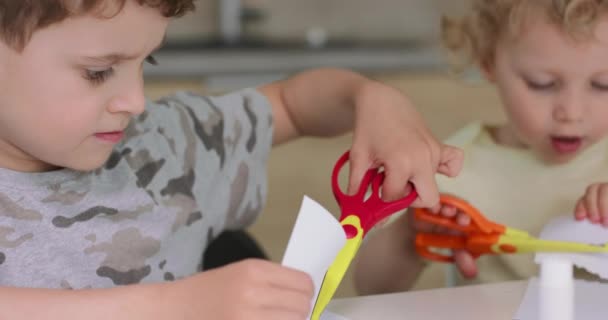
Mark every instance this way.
x=316 y=239
x=566 y=228
x=327 y=315
x=589 y=297
x=589 y=301
x=556 y=289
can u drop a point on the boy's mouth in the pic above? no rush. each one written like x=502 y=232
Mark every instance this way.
x=566 y=144
x=113 y=136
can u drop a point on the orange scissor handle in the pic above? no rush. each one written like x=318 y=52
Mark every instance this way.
x=426 y=241
x=479 y=223
x=476 y=245
x=477 y=238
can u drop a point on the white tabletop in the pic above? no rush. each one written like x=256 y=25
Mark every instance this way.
x=481 y=302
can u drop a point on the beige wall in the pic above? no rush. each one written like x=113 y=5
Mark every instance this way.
x=360 y=19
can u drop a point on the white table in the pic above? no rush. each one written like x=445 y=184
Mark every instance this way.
x=481 y=302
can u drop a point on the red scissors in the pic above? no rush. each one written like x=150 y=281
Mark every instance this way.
x=359 y=214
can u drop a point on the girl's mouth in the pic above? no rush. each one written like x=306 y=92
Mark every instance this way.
x=565 y=144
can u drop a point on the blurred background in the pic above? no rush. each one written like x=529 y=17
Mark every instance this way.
x=229 y=44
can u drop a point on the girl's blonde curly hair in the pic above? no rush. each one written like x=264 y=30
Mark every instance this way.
x=473 y=39
x=19 y=19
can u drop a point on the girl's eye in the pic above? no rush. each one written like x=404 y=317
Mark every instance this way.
x=98 y=76
x=599 y=86
x=540 y=86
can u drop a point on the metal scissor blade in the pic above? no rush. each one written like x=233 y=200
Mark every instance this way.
x=335 y=273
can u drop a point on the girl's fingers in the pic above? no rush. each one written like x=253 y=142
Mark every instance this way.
x=591 y=203
x=580 y=213
x=465 y=263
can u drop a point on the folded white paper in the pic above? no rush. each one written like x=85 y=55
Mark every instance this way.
x=565 y=228
x=589 y=301
x=327 y=315
x=589 y=297
x=316 y=239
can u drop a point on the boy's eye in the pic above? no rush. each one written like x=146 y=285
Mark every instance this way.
x=151 y=60
x=98 y=76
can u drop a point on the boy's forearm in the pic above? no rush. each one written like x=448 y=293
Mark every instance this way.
x=132 y=302
x=387 y=262
x=315 y=103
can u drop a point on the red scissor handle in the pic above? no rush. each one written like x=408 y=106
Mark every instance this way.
x=373 y=209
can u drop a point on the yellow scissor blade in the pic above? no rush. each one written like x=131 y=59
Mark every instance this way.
x=338 y=268
x=531 y=244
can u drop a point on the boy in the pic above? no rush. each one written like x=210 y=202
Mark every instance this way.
x=101 y=196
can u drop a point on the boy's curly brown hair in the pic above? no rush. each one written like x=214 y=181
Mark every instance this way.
x=19 y=19
x=473 y=39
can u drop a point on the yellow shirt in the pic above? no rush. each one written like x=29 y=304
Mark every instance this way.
x=512 y=187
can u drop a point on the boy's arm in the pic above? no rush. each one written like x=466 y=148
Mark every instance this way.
x=314 y=103
x=387 y=261
x=249 y=289
x=388 y=130
x=125 y=302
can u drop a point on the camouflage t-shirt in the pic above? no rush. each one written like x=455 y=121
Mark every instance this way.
x=188 y=168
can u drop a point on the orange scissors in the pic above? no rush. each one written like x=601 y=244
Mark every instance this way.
x=359 y=214
x=483 y=236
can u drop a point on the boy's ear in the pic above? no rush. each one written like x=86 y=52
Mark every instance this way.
x=5 y=52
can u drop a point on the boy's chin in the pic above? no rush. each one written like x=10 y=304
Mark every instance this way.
x=89 y=164
x=84 y=167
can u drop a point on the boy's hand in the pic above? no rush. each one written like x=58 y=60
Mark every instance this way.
x=251 y=289
x=594 y=204
x=463 y=260
x=389 y=132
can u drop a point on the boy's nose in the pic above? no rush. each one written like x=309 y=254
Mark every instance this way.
x=131 y=99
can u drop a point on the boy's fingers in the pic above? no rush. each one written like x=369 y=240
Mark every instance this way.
x=288 y=278
x=426 y=186
x=358 y=165
x=279 y=314
x=450 y=161
x=395 y=182
x=408 y=188
x=465 y=263
x=287 y=300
